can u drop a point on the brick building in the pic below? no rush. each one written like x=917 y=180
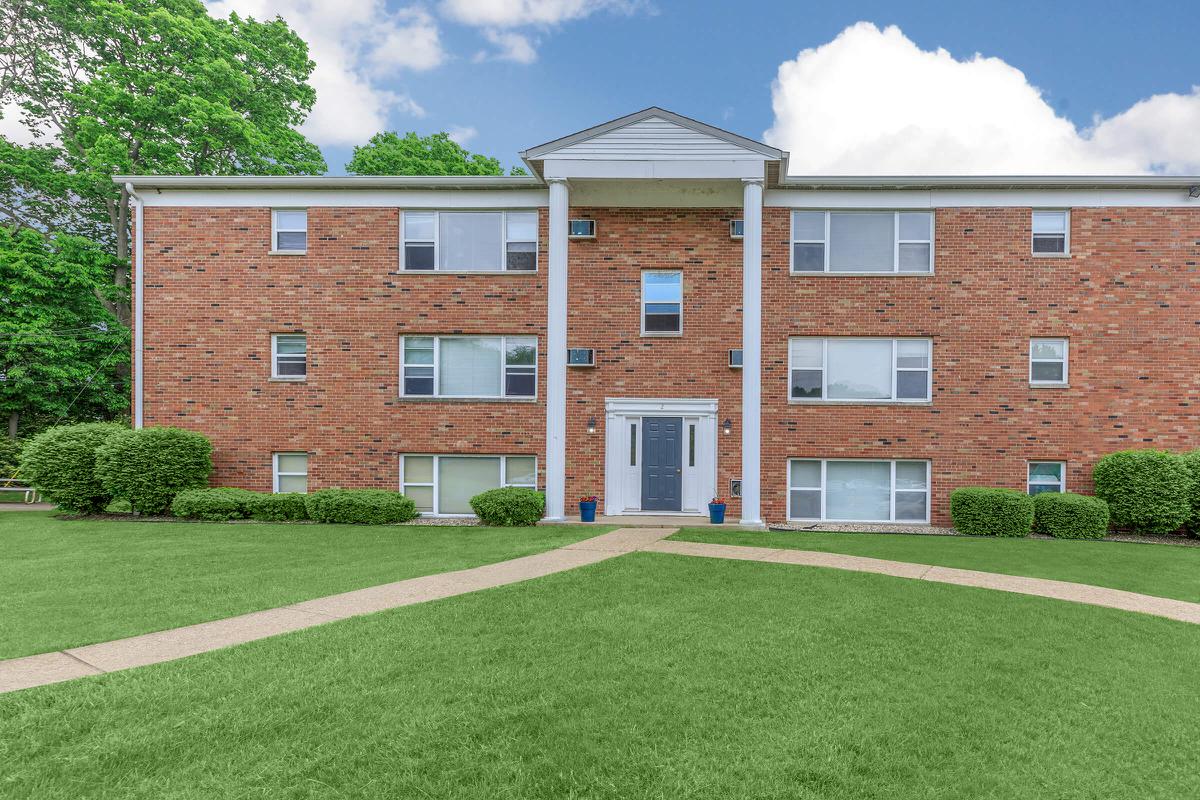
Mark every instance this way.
x=659 y=314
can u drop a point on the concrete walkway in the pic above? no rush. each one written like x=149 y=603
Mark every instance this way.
x=1179 y=610
x=153 y=648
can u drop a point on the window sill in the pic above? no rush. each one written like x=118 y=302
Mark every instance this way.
x=841 y=274
x=914 y=523
x=465 y=272
x=1051 y=255
x=287 y=252
x=426 y=399
x=1049 y=385
x=901 y=403
x=645 y=335
x=275 y=379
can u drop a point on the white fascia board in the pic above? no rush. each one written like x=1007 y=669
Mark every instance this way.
x=150 y=182
x=650 y=405
x=969 y=198
x=652 y=169
x=335 y=198
x=988 y=181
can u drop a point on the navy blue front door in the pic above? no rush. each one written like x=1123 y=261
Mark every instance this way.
x=662 y=463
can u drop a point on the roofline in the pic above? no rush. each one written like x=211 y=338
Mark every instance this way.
x=535 y=153
x=989 y=182
x=331 y=181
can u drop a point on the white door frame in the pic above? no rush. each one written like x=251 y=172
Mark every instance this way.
x=623 y=479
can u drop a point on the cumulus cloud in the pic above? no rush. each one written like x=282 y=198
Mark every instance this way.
x=510 y=46
x=872 y=101
x=497 y=18
x=461 y=134
x=356 y=45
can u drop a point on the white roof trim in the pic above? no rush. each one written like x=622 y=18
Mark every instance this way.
x=293 y=182
x=989 y=182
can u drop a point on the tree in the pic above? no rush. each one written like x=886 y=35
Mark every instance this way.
x=389 y=153
x=59 y=344
x=136 y=87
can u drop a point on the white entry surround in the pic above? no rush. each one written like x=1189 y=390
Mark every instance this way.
x=623 y=460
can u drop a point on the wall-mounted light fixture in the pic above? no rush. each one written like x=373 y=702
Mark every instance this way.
x=727 y=426
x=591 y=425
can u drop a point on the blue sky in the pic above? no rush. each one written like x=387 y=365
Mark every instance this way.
x=505 y=75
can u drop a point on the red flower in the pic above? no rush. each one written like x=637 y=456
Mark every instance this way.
x=589 y=499
x=716 y=501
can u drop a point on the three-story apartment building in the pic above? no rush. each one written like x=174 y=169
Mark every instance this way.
x=659 y=314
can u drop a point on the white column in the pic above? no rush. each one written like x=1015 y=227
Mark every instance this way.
x=752 y=194
x=556 y=354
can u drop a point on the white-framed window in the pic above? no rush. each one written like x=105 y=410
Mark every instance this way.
x=468 y=366
x=581 y=229
x=858 y=490
x=662 y=303
x=862 y=241
x=289 y=356
x=289 y=230
x=1047 y=476
x=445 y=484
x=290 y=472
x=860 y=370
x=737 y=229
x=1048 y=362
x=468 y=241
x=1051 y=233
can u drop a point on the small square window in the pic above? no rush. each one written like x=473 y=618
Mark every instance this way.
x=291 y=472
x=1047 y=476
x=1048 y=362
x=737 y=228
x=289 y=231
x=1051 y=233
x=289 y=356
x=582 y=229
x=735 y=359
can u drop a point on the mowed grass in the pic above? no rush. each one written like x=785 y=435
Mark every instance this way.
x=647 y=676
x=1158 y=569
x=65 y=583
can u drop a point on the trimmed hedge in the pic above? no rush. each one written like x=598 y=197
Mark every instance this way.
x=284 y=507
x=1070 y=516
x=1191 y=461
x=982 y=511
x=509 y=506
x=216 y=505
x=363 y=506
x=61 y=463
x=1148 y=491
x=149 y=466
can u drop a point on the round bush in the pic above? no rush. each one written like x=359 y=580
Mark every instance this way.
x=61 y=463
x=509 y=506
x=284 y=507
x=1191 y=461
x=1148 y=491
x=982 y=511
x=1070 y=516
x=149 y=466
x=216 y=505
x=363 y=506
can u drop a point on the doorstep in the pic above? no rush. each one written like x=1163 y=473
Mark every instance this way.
x=652 y=521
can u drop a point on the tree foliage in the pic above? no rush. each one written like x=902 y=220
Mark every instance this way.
x=389 y=153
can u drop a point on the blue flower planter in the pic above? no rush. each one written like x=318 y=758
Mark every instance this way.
x=716 y=513
x=587 y=512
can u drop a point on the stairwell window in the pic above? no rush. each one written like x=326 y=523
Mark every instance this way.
x=289 y=231
x=1048 y=362
x=445 y=484
x=290 y=472
x=1051 y=233
x=469 y=366
x=862 y=242
x=860 y=370
x=662 y=303
x=289 y=356
x=469 y=241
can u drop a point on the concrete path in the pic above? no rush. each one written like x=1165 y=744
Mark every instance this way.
x=1180 y=610
x=153 y=648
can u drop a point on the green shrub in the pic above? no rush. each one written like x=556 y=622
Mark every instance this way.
x=10 y=457
x=1191 y=461
x=1148 y=491
x=61 y=463
x=365 y=506
x=216 y=505
x=284 y=507
x=149 y=466
x=1070 y=516
x=981 y=511
x=510 y=506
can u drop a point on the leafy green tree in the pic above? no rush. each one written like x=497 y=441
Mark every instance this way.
x=136 y=87
x=389 y=153
x=60 y=346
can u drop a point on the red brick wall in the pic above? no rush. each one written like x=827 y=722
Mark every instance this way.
x=1128 y=299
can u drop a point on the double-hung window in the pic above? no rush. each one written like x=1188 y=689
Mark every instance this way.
x=469 y=241
x=858 y=370
x=446 y=484
x=289 y=356
x=858 y=490
x=862 y=241
x=662 y=303
x=1051 y=233
x=289 y=231
x=1048 y=362
x=469 y=366
x=290 y=472
x=1047 y=476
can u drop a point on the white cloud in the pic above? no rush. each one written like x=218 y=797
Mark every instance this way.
x=514 y=13
x=356 y=44
x=461 y=134
x=872 y=101
x=510 y=46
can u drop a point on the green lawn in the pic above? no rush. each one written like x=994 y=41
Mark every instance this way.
x=647 y=676
x=67 y=583
x=1157 y=569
